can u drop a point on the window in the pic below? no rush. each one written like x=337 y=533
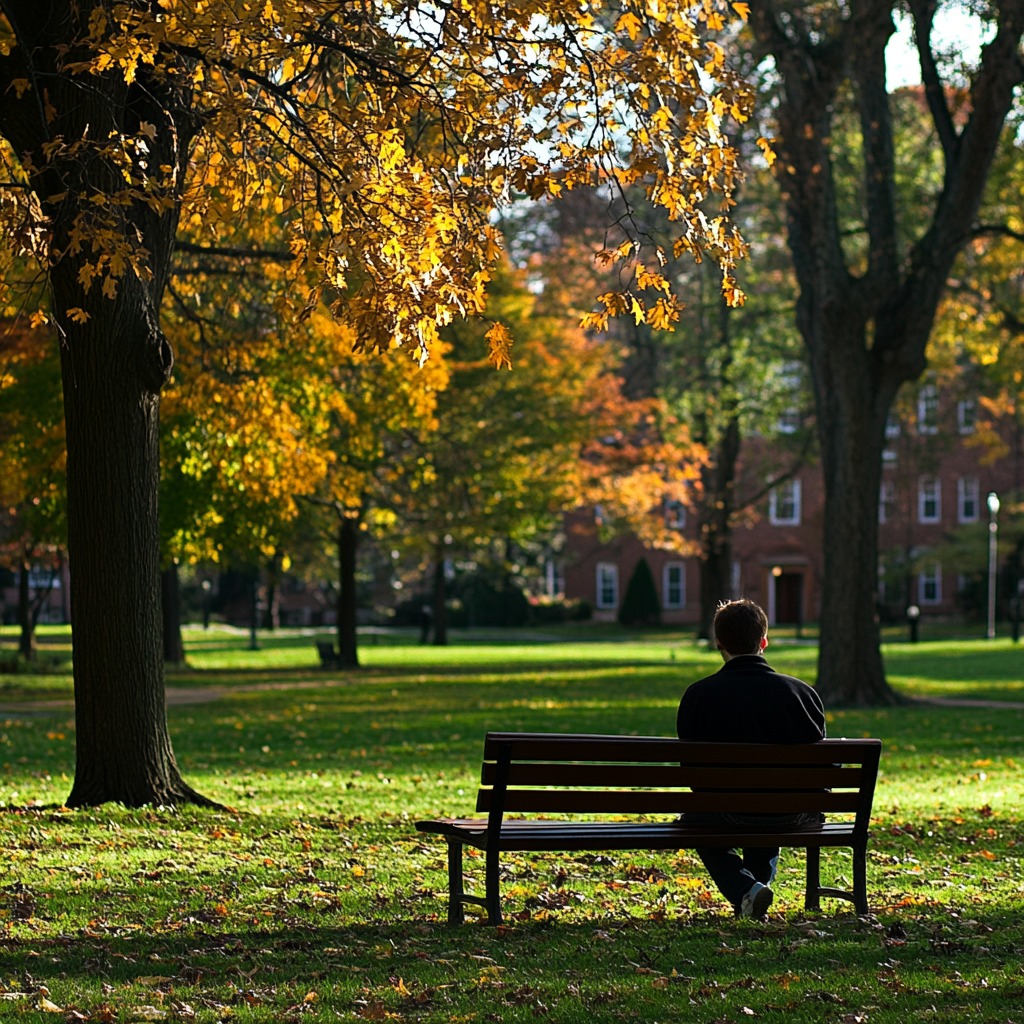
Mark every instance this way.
x=886 y=501
x=967 y=499
x=675 y=515
x=673 y=585
x=966 y=415
x=929 y=584
x=607 y=585
x=784 y=504
x=790 y=378
x=892 y=425
x=929 y=500
x=928 y=410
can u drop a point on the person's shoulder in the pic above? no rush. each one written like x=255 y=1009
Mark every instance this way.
x=699 y=685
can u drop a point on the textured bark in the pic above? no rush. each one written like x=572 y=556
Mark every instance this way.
x=866 y=333
x=716 y=527
x=114 y=361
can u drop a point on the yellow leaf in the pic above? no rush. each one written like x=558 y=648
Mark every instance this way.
x=743 y=10
x=78 y=316
x=500 y=347
x=629 y=23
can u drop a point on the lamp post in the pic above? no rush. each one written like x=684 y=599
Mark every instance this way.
x=993 y=532
x=913 y=620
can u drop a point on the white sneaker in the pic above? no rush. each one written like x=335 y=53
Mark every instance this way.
x=756 y=902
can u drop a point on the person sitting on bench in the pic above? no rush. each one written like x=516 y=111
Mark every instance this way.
x=747 y=701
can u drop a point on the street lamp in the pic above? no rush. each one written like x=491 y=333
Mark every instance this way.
x=993 y=531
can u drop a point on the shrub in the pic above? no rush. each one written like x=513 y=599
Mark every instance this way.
x=640 y=606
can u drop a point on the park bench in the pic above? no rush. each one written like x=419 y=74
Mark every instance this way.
x=567 y=780
x=328 y=655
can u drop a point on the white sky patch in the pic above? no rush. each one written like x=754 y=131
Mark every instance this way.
x=956 y=30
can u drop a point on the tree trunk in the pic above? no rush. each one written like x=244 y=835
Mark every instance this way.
x=123 y=751
x=853 y=405
x=114 y=362
x=170 y=605
x=440 y=600
x=716 y=528
x=26 y=620
x=348 y=550
x=272 y=610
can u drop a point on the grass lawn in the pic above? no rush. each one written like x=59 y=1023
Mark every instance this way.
x=315 y=899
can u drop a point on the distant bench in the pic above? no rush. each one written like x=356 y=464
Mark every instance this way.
x=580 y=775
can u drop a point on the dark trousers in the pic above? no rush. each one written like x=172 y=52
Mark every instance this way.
x=734 y=871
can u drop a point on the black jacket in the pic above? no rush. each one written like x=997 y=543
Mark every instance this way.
x=747 y=701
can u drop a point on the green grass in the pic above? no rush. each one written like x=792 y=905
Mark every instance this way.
x=316 y=899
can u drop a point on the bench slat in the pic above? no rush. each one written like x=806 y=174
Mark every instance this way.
x=562 y=836
x=544 y=773
x=589 y=801
x=583 y=747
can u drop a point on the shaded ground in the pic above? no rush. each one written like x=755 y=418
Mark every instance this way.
x=181 y=695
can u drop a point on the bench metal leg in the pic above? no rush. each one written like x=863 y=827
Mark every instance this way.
x=456 y=912
x=812 y=897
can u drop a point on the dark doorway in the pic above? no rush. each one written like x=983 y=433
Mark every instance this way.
x=789 y=599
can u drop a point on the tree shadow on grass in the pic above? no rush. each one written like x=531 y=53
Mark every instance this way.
x=928 y=960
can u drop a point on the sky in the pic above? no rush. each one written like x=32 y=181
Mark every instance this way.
x=954 y=27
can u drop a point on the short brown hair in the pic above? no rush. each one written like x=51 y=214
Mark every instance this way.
x=740 y=626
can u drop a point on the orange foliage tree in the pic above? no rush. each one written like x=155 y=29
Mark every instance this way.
x=376 y=139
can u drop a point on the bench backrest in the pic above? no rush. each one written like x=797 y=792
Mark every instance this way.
x=566 y=773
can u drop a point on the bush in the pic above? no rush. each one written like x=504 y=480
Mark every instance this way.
x=640 y=606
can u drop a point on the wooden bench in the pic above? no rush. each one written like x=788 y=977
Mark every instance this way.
x=555 y=775
x=328 y=655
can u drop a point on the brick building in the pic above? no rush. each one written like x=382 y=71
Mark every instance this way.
x=933 y=529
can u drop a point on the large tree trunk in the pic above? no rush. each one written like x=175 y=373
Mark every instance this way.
x=123 y=752
x=853 y=405
x=348 y=550
x=114 y=362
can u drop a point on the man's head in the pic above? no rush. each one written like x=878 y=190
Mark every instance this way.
x=741 y=627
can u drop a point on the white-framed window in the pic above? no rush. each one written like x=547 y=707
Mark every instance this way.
x=928 y=409
x=886 y=501
x=673 y=585
x=892 y=425
x=968 y=499
x=790 y=377
x=929 y=584
x=966 y=415
x=889 y=456
x=784 y=504
x=929 y=500
x=607 y=585
x=675 y=515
